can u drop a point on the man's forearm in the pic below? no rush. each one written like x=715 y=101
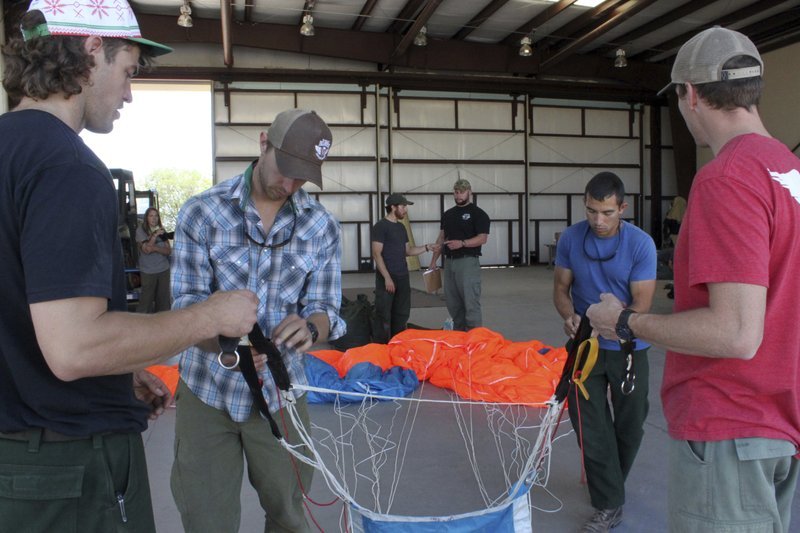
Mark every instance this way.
x=563 y=304
x=417 y=250
x=692 y=332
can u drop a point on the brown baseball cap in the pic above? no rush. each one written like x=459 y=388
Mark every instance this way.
x=302 y=141
x=701 y=58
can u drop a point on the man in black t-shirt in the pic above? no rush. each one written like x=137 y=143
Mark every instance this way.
x=74 y=397
x=465 y=228
x=390 y=247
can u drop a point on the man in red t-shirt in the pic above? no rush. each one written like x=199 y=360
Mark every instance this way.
x=731 y=390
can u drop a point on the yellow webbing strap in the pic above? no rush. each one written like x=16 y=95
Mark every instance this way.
x=584 y=363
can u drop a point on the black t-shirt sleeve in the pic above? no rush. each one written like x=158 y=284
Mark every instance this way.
x=379 y=232
x=68 y=229
x=482 y=222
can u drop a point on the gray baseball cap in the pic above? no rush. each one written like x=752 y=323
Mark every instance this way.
x=701 y=58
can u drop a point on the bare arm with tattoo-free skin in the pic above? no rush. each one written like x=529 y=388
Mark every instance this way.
x=731 y=326
x=80 y=337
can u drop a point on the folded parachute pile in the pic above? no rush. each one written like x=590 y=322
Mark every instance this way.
x=478 y=365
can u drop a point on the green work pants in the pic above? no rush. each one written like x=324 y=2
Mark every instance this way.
x=610 y=425
x=210 y=453
x=462 y=291
x=94 y=485
x=739 y=485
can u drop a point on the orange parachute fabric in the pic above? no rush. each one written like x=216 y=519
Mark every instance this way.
x=478 y=365
x=168 y=374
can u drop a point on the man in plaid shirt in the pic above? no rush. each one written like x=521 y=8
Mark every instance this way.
x=260 y=231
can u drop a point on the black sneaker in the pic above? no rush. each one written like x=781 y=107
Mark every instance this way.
x=603 y=520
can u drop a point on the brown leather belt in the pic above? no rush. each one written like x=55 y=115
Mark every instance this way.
x=43 y=434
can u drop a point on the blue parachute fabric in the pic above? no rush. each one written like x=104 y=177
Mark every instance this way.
x=395 y=382
x=514 y=517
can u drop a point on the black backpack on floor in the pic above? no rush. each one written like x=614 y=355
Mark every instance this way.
x=358 y=314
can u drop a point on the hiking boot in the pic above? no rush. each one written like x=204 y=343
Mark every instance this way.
x=603 y=520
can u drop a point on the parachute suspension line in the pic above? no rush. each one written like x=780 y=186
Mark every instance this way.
x=355 y=465
x=406 y=429
x=405 y=438
x=315 y=460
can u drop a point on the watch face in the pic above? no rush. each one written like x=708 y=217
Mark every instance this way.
x=314 y=331
x=622 y=330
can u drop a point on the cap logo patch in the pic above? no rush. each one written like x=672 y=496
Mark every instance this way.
x=322 y=148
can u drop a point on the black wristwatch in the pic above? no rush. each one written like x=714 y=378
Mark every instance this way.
x=623 y=330
x=314 y=331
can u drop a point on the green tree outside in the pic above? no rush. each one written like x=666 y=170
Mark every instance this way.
x=174 y=187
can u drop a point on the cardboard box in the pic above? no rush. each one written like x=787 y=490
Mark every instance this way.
x=433 y=280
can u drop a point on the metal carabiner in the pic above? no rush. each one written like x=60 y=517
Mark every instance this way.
x=228 y=346
x=629 y=383
x=237 y=359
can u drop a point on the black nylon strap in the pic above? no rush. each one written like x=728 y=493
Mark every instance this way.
x=274 y=360
x=228 y=344
x=248 y=368
x=584 y=332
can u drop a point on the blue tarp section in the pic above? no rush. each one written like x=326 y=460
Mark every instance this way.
x=363 y=378
x=513 y=518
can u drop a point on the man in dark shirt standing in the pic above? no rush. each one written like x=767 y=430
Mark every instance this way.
x=465 y=228
x=74 y=398
x=390 y=247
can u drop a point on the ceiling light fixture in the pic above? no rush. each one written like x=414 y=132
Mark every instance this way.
x=185 y=18
x=307 y=29
x=525 y=49
x=421 y=38
x=621 y=61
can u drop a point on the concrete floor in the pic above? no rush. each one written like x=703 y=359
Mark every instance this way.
x=518 y=304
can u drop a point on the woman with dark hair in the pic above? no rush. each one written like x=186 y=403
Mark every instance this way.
x=154 y=250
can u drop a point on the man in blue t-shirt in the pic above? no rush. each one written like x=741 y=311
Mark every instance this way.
x=390 y=247
x=604 y=254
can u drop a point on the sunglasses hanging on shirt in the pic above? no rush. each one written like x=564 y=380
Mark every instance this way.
x=598 y=257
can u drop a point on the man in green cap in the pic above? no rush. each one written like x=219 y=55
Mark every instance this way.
x=73 y=396
x=465 y=228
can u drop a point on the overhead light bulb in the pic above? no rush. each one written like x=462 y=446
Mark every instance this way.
x=526 y=50
x=185 y=18
x=621 y=61
x=307 y=29
x=421 y=38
